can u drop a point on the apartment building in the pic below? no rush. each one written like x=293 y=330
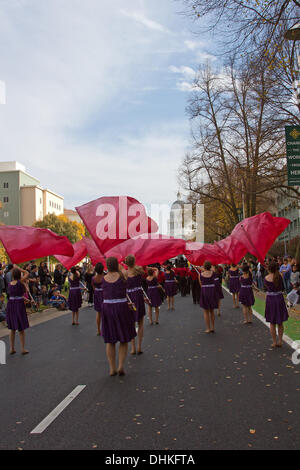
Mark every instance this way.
x=22 y=199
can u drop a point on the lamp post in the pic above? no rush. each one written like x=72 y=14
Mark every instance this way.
x=293 y=34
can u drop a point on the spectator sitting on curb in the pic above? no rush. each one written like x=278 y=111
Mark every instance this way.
x=58 y=300
x=2 y=308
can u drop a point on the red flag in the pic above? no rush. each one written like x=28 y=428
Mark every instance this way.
x=233 y=250
x=94 y=252
x=197 y=253
x=113 y=220
x=80 y=252
x=27 y=243
x=156 y=249
x=258 y=233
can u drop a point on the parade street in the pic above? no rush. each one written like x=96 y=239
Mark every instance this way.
x=188 y=391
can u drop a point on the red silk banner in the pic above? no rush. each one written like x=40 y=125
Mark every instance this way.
x=113 y=220
x=149 y=251
x=94 y=252
x=80 y=252
x=258 y=233
x=27 y=243
x=254 y=235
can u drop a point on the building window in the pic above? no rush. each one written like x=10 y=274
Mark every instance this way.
x=5 y=199
x=5 y=213
x=5 y=185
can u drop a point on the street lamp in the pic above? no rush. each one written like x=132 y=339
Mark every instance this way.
x=293 y=34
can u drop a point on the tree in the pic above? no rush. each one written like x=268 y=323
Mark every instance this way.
x=62 y=226
x=253 y=29
x=239 y=155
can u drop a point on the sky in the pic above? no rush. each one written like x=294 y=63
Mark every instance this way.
x=95 y=94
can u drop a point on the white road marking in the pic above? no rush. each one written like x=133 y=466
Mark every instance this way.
x=56 y=412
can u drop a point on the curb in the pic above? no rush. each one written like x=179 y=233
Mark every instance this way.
x=285 y=338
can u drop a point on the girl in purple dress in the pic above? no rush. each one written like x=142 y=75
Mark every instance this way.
x=16 y=315
x=117 y=319
x=208 y=296
x=234 y=284
x=218 y=283
x=98 y=294
x=170 y=286
x=135 y=293
x=276 y=312
x=246 y=296
x=153 y=294
x=75 y=298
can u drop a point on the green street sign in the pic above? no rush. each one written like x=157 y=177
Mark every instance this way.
x=292 y=134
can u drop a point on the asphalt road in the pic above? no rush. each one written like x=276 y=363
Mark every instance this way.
x=188 y=391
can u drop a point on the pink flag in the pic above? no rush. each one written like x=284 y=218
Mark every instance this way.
x=113 y=220
x=80 y=252
x=94 y=252
x=197 y=253
x=149 y=251
x=233 y=250
x=258 y=233
x=28 y=243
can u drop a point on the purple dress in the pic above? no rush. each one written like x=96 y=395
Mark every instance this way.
x=170 y=284
x=16 y=315
x=275 y=311
x=209 y=298
x=98 y=295
x=153 y=292
x=135 y=292
x=234 y=281
x=218 y=285
x=117 y=319
x=75 y=299
x=246 y=292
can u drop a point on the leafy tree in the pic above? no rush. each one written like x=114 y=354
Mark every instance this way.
x=62 y=226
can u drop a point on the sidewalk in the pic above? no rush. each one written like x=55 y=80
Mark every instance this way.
x=39 y=317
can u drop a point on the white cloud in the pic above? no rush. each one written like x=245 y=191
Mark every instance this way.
x=193 y=45
x=142 y=19
x=185 y=83
x=187 y=72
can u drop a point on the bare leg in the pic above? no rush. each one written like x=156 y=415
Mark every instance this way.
x=140 y=334
x=111 y=356
x=133 y=348
x=172 y=302
x=280 y=334
x=250 y=315
x=156 y=314
x=169 y=302
x=207 y=321
x=12 y=336
x=273 y=334
x=73 y=318
x=219 y=308
x=212 y=320
x=245 y=313
x=98 y=322
x=150 y=314
x=76 y=317
x=122 y=356
x=22 y=341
